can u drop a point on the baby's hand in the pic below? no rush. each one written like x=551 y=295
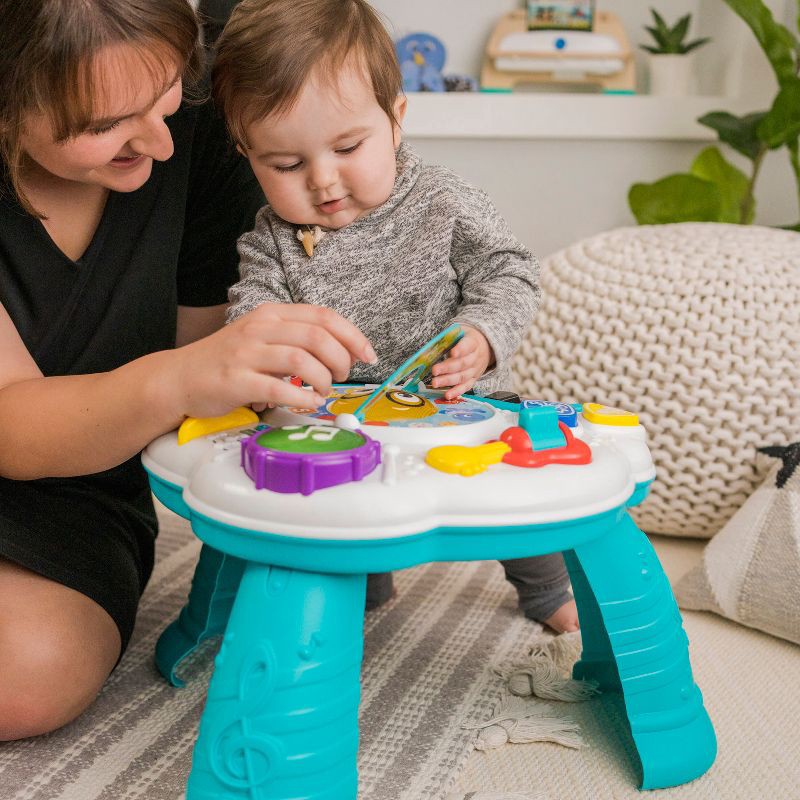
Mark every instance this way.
x=464 y=364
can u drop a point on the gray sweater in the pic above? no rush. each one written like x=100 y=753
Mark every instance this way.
x=436 y=252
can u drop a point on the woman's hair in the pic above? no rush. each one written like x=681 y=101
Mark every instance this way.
x=269 y=48
x=47 y=50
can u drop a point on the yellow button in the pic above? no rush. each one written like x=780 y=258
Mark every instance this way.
x=195 y=427
x=606 y=415
x=459 y=460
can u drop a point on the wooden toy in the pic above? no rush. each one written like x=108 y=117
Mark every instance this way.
x=515 y=55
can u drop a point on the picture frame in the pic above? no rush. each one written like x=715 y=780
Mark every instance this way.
x=561 y=15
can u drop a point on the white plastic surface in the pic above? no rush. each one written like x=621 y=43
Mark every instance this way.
x=412 y=497
x=415 y=439
x=578 y=66
x=542 y=42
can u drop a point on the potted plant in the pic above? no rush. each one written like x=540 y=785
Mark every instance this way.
x=670 y=60
x=714 y=189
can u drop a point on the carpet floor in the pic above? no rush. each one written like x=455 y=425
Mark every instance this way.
x=749 y=682
x=427 y=669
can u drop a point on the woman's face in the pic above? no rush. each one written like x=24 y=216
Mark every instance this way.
x=127 y=132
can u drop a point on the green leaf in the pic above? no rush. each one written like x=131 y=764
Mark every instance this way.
x=670 y=39
x=733 y=184
x=687 y=48
x=778 y=43
x=659 y=20
x=781 y=125
x=682 y=27
x=676 y=198
x=654 y=32
x=738 y=132
x=660 y=38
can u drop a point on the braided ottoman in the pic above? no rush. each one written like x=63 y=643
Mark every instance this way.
x=697 y=326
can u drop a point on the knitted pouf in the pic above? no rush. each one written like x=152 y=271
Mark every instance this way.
x=694 y=326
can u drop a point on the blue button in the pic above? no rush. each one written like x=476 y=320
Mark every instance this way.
x=560 y=43
x=541 y=425
x=566 y=413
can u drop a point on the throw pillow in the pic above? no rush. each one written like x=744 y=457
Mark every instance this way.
x=750 y=571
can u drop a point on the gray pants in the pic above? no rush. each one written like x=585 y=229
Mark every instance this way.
x=541 y=582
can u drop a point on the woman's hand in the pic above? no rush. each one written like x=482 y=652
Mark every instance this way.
x=245 y=362
x=464 y=364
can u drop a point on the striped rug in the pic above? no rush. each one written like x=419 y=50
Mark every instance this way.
x=427 y=669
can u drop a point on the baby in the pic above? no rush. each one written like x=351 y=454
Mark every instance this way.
x=311 y=90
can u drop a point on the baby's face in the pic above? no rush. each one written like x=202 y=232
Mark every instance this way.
x=331 y=158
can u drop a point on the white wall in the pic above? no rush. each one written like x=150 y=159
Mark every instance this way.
x=556 y=191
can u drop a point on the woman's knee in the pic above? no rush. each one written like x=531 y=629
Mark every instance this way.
x=57 y=648
x=33 y=697
x=47 y=681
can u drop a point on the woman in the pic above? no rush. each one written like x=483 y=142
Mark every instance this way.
x=121 y=203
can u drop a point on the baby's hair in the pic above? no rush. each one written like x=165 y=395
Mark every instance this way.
x=270 y=48
x=47 y=50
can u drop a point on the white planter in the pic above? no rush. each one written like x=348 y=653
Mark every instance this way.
x=672 y=75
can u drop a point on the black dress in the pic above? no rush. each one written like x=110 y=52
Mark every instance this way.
x=171 y=242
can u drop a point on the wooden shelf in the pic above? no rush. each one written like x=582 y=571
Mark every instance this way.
x=561 y=116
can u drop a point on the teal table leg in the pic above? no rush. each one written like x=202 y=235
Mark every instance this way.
x=214 y=586
x=634 y=642
x=281 y=719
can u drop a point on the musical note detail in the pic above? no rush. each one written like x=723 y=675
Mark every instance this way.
x=317 y=433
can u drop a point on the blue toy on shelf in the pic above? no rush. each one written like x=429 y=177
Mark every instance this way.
x=422 y=58
x=296 y=507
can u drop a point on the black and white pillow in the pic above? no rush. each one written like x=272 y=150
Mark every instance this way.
x=750 y=571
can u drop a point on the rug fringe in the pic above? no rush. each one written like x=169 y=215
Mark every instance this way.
x=516 y=722
x=564 y=649
x=494 y=796
x=545 y=675
x=547 y=672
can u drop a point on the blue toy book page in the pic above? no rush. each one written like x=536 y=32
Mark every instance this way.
x=562 y=15
x=416 y=368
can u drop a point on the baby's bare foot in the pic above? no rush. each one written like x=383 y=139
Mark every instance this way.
x=565 y=619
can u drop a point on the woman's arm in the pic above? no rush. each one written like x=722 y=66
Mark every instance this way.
x=80 y=424
x=71 y=425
